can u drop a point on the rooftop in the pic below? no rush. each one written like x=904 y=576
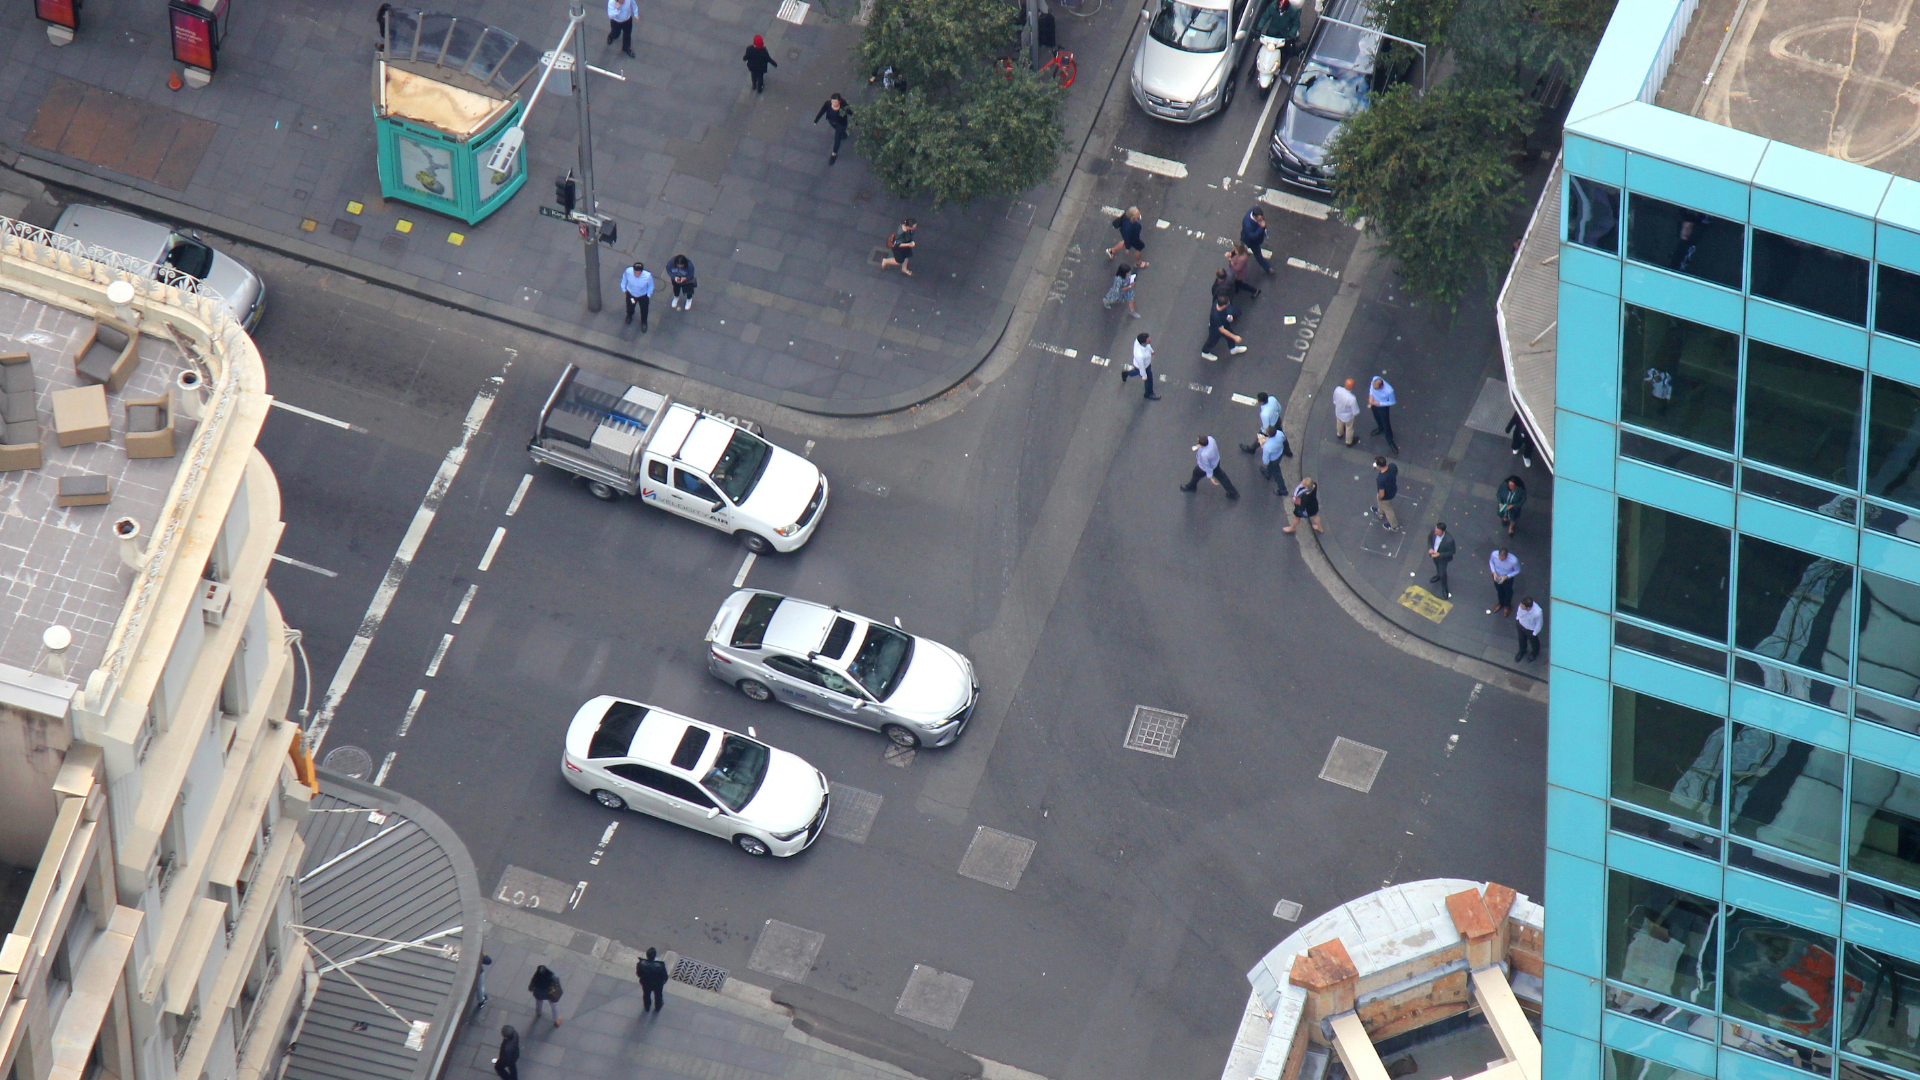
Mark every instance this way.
x=61 y=565
x=1828 y=78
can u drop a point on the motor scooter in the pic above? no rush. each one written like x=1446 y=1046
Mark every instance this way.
x=1279 y=31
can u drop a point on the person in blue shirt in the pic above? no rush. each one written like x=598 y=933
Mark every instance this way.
x=620 y=16
x=1273 y=446
x=636 y=284
x=680 y=272
x=1206 y=465
x=1269 y=419
x=1380 y=399
x=1253 y=233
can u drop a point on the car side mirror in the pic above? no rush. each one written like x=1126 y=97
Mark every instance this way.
x=717 y=504
x=1239 y=35
x=712 y=812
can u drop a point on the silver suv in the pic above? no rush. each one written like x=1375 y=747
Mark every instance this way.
x=842 y=666
x=1188 y=64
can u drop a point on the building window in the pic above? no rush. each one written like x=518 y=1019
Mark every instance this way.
x=1896 y=308
x=1624 y=1066
x=1779 y=976
x=1892 y=714
x=1785 y=793
x=1657 y=937
x=1679 y=378
x=1667 y=647
x=1883 y=838
x=1685 y=241
x=1593 y=214
x=1893 y=442
x=1802 y=414
x=1876 y=1017
x=1794 y=607
x=1889 y=635
x=1808 y=276
x=1666 y=757
x=1673 y=570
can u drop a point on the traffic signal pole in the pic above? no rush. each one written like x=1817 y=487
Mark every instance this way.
x=589 y=235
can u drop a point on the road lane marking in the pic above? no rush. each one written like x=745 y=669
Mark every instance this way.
x=601 y=848
x=1242 y=399
x=380 y=778
x=402 y=561
x=1101 y=361
x=493 y=547
x=1071 y=354
x=322 y=417
x=1289 y=201
x=1261 y=128
x=519 y=493
x=746 y=564
x=1302 y=264
x=321 y=570
x=1176 y=170
x=413 y=709
x=460 y=613
x=433 y=668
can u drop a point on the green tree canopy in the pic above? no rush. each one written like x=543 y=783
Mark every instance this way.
x=1432 y=175
x=987 y=136
x=933 y=44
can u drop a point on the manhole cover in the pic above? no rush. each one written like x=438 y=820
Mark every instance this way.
x=898 y=756
x=1155 y=731
x=1288 y=910
x=875 y=256
x=786 y=951
x=345 y=230
x=996 y=858
x=698 y=975
x=853 y=813
x=393 y=242
x=348 y=761
x=934 y=997
x=1352 y=764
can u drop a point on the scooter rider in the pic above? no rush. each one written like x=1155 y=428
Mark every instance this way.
x=1279 y=33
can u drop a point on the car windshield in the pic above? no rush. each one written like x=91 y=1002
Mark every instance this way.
x=1334 y=94
x=882 y=660
x=737 y=771
x=1188 y=28
x=741 y=464
x=191 y=258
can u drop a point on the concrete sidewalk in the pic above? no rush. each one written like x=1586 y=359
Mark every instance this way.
x=792 y=306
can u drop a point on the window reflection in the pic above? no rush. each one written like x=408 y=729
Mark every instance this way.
x=1673 y=570
x=1774 y=1048
x=1794 y=607
x=1779 y=976
x=1666 y=757
x=1654 y=1011
x=1656 y=937
x=1808 y=276
x=1892 y=714
x=1679 y=377
x=1785 y=793
x=1790 y=682
x=1896 y=308
x=1802 y=413
x=1765 y=485
x=1593 y=214
x=1893 y=442
x=1624 y=1066
x=1679 y=650
x=1883 y=835
x=1684 y=240
x=1881 y=1018
x=1889 y=635
x=1678 y=458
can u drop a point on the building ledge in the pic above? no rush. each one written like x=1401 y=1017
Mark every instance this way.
x=1528 y=313
x=95 y=983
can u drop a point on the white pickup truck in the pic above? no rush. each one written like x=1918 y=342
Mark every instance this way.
x=714 y=469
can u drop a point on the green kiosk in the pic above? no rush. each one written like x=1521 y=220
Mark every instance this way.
x=445 y=89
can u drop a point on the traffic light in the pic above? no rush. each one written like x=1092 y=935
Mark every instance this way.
x=565 y=191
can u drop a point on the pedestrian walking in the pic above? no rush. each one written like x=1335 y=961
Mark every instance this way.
x=758 y=60
x=1219 y=325
x=480 y=989
x=901 y=241
x=653 y=980
x=1121 y=290
x=1510 y=498
x=1206 y=464
x=1142 y=365
x=1273 y=447
x=1253 y=233
x=1346 y=408
x=1128 y=223
x=506 y=1064
x=1386 y=484
x=620 y=16
x=1269 y=407
x=680 y=273
x=1223 y=285
x=1306 y=504
x=1503 y=566
x=837 y=113
x=1237 y=260
x=1380 y=399
x=636 y=284
x=546 y=990
x=1527 y=619
x=1440 y=548
x=1522 y=442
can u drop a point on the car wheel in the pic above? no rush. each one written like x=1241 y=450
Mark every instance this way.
x=752 y=845
x=602 y=491
x=900 y=736
x=754 y=689
x=608 y=799
x=1226 y=96
x=754 y=542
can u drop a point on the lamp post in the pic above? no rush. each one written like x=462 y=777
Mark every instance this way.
x=589 y=234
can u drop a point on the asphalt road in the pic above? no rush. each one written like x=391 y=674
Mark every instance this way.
x=1039 y=530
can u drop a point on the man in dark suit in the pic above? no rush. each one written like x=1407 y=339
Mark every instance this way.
x=1440 y=548
x=653 y=980
x=507 y=1065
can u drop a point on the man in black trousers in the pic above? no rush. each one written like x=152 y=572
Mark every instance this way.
x=507 y=1065
x=1440 y=548
x=653 y=980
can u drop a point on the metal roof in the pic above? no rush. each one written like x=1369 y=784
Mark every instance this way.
x=391 y=908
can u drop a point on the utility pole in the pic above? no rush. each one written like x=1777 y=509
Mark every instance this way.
x=589 y=234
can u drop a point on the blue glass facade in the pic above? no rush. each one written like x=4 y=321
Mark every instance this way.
x=1733 y=865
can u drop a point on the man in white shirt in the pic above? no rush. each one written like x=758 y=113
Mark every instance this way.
x=1346 y=409
x=636 y=284
x=1142 y=365
x=1380 y=398
x=1527 y=620
x=620 y=16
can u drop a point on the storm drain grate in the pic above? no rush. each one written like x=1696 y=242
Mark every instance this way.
x=1353 y=764
x=1155 y=731
x=1288 y=910
x=345 y=230
x=698 y=975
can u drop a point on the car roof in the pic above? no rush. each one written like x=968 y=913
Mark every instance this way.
x=116 y=231
x=659 y=736
x=798 y=626
x=672 y=430
x=706 y=442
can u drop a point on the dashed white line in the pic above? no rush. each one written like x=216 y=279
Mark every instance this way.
x=322 y=417
x=439 y=654
x=413 y=709
x=746 y=564
x=1288 y=201
x=1260 y=128
x=1101 y=361
x=808 y=452
x=519 y=493
x=1302 y=264
x=380 y=778
x=493 y=546
x=1157 y=165
x=460 y=613
x=321 y=570
x=1242 y=399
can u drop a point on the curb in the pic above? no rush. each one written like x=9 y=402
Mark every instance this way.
x=1313 y=377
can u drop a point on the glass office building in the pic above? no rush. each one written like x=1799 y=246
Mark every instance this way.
x=1734 y=742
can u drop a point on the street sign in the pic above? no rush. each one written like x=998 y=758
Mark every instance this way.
x=562 y=62
x=552 y=212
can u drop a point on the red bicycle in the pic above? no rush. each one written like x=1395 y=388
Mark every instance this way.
x=1061 y=68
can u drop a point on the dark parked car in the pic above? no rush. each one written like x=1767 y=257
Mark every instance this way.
x=1334 y=82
